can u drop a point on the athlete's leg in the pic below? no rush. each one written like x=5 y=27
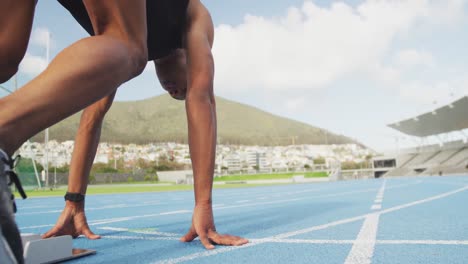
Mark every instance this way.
x=16 y=17
x=81 y=74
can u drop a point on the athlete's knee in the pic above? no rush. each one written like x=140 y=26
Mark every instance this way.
x=139 y=57
x=8 y=69
x=133 y=57
x=10 y=58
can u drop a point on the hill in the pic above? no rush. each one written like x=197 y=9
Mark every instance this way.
x=162 y=119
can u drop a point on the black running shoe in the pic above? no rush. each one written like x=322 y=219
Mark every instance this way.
x=6 y=255
x=9 y=229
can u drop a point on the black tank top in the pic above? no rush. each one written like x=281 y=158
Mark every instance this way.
x=166 y=20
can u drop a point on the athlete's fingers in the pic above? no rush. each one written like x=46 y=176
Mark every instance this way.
x=56 y=231
x=206 y=242
x=228 y=240
x=89 y=234
x=190 y=236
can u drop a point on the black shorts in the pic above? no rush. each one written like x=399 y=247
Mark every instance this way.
x=166 y=20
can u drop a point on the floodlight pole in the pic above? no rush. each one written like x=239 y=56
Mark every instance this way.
x=5 y=89
x=46 y=139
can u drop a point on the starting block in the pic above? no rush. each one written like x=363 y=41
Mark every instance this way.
x=50 y=250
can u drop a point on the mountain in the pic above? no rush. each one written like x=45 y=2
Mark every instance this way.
x=163 y=119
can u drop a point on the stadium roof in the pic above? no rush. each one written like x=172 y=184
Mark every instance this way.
x=451 y=117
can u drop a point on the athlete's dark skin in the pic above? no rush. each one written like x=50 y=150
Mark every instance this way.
x=174 y=72
x=102 y=63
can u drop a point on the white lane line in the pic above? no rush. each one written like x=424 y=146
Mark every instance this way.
x=463 y=183
x=122 y=219
x=202 y=254
x=114 y=229
x=403 y=185
x=320 y=227
x=378 y=200
x=383 y=242
x=43 y=212
x=312 y=241
x=145 y=232
x=253 y=243
x=95 y=208
x=437 y=197
x=36 y=206
x=129 y=218
x=339 y=193
x=297 y=199
x=32 y=227
x=301 y=241
x=423 y=242
x=87 y=209
x=140 y=238
x=310 y=229
x=175 y=212
x=363 y=248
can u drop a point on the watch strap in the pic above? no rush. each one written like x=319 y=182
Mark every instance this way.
x=74 y=197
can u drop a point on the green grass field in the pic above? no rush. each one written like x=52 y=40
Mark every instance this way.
x=137 y=187
x=276 y=176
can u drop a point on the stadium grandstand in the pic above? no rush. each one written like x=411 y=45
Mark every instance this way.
x=448 y=157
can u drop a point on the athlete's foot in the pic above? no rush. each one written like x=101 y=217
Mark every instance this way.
x=10 y=244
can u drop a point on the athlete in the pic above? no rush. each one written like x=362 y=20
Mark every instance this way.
x=173 y=23
x=87 y=73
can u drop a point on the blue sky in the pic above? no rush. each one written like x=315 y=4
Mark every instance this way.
x=348 y=66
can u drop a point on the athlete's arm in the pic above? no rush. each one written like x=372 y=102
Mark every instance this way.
x=72 y=220
x=201 y=116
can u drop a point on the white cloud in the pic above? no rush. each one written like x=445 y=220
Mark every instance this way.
x=426 y=96
x=447 y=12
x=41 y=37
x=411 y=58
x=32 y=65
x=312 y=47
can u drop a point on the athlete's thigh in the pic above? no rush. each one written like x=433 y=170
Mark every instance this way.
x=16 y=17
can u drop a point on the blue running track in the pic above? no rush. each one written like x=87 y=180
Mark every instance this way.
x=393 y=220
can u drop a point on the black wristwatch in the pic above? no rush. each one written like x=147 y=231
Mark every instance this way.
x=74 y=197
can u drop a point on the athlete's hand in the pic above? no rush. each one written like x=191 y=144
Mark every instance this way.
x=204 y=228
x=72 y=222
